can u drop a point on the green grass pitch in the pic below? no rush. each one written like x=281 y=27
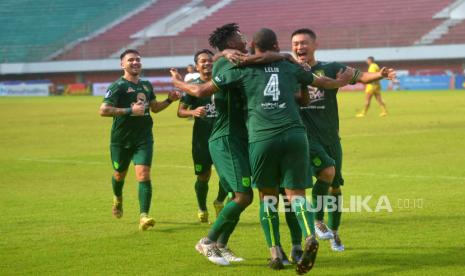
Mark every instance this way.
x=55 y=193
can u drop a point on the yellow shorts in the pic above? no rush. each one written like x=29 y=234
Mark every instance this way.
x=373 y=90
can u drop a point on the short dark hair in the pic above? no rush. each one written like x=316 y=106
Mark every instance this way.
x=371 y=58
x=128 y=51
x=203 y=51
x=265 y=39
x=219 y=38
x=306 y=31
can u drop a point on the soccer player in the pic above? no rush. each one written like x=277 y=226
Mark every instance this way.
x=373 y=89
x=203 y=110
x=321 y=119
x=129 y=101
x=278 y=148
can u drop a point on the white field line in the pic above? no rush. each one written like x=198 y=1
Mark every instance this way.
x=56 y=161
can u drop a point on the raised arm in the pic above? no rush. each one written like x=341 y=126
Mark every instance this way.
x=264 y=58
x=157 y=106
x=384 y=73
x=344 y=77
x=197 y=90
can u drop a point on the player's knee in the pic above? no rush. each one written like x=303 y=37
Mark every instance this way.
x=243 y=199
x=335 y=190
x=205 y=176
x=119 y=176
x=143 y=174
x=327 y=174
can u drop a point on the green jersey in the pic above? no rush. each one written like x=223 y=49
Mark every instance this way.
x=270 y=92
x=230 y=107
x=129 y=130
x=202 y=126
x=321 y=117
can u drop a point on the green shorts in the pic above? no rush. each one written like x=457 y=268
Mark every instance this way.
x=121 y=156
x=324 y=156
x=282 y=161
x=231 y=161
x=201 y=156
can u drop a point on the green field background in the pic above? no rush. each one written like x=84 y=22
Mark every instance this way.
x=55 y=194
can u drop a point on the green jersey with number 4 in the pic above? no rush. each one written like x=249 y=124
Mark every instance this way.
x=270 y=91
x=129 y=130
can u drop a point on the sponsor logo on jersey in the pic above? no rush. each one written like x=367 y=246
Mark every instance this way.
x=131 y=90
x=282 y=106
x=268 y=105
x=218 y=79
x=108 y=94
x=316 y=94
x=211 y=110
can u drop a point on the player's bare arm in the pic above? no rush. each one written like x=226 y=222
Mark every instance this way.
x=107 y=110
x=185 y=112
x=384 y=73
x=233 y=55
x=238 y=58
x=156 y=106
x=343 y=78
x=197 y=90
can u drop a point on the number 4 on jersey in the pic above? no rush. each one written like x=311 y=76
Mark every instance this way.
x=272 y=87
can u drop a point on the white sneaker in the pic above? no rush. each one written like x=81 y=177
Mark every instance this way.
x=336 y=244
x=210 y=251
x=322 y=231
x=229 y=255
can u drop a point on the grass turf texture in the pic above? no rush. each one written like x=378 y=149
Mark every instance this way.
x=55 y=193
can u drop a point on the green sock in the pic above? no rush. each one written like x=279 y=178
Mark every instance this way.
x=145 y=196
x=222 y=193
x=117 y=187
x=320 y=189
x=304 y=216
x=228 y=230
x=293 y=224
x=201 y=191
x=334 y=217
x=229 y=214
x=269 y=219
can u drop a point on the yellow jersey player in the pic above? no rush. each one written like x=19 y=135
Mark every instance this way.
x=373 y=89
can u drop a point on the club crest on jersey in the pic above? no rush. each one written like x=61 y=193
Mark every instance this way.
x=320 y=73
x=146 y=88
x=108 y=94
x=131 y=90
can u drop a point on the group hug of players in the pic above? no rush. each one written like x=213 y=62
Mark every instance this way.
x=265 y=120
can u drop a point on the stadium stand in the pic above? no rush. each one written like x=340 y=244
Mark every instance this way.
x=117 y=37
x=455 y=35
x=372 y=24
x=29 y=35
x=90 y=31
